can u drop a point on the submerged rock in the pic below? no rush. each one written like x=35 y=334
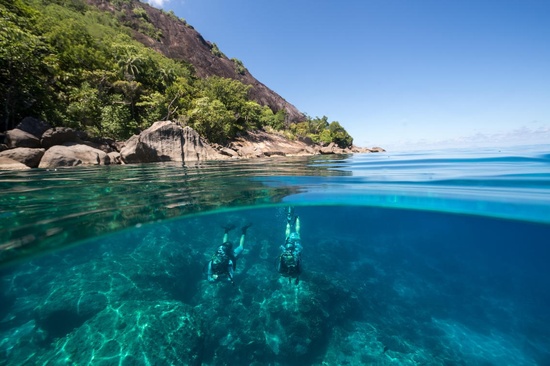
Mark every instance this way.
x=269 y=319
x=133 y=333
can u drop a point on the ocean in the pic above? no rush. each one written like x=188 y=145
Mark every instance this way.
x=413 y=258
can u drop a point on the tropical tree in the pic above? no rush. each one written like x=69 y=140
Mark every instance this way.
x=210 y=118
x=339 y=135
x=24 y=74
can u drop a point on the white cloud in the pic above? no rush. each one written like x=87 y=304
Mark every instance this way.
x=524 y=135
x=157 y=3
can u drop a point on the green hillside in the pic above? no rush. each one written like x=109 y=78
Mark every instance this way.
x=73 y=65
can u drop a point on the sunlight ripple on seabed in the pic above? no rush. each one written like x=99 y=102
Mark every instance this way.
x=491 y=348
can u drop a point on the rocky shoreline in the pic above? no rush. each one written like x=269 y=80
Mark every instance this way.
x=35 y=144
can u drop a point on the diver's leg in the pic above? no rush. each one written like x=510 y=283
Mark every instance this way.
x=289 y=220
x=297 y=225
x=240 y=248
x=287 y=230
x=227 y=229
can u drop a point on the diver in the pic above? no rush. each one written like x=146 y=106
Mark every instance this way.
x=224 y=261
x=290 y=261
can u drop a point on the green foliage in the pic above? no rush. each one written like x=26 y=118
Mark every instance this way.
x=339 y=135
x=211 y=118
x=120 y=3
x=230 y=92
x=140 y=13
x=24 y=68
x=76 y=5
x=242 y=113
x=85 y=106
x=239 y=66
x=325 y=137
x=179 y=96
x=321 y=131
x=117 y=122
x=173 y=15
x=216 y=51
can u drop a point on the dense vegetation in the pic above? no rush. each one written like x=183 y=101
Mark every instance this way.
x=73 y=65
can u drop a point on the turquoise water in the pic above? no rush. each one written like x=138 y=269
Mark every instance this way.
x=426 y=258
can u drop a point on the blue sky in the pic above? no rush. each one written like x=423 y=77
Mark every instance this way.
x=401 y=74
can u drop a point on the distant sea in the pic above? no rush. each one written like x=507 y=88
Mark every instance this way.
x=419 y=258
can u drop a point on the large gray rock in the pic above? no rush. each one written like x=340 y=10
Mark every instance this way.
x=377 y=149
x=10 y=164
x=20 y=138
x=167 y=141
x=330 y=149
x=72 y=155
x=58 y=136
x=195 y=148
x=260 y=143
x=128 y=151
x=114 y=157
x=229 y=152
x=104 y=144
x=33 y=126
x=25 y=155
x=163 y=141
x=358 y=149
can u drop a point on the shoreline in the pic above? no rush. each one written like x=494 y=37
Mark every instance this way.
x=34 y=144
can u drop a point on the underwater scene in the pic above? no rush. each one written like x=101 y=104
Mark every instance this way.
x=400 y=259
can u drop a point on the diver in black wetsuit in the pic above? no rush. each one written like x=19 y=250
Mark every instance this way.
x=290 y=260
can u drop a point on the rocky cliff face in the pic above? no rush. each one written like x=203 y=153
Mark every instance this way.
x=179 y=41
